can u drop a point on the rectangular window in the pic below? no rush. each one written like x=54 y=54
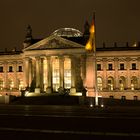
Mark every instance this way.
x=111 y=97
x=135 y=98
x=110 y=67
x=19 y=68
x=98 y=66
x=120 y=81
x=10 y=69
x=123 y=98
x=67 y=73
x=109 y=81
x=121 y=66
x=1 y=68
x=133 y=66
x=55 y=74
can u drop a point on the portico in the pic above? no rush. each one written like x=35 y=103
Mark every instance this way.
x=51 y=69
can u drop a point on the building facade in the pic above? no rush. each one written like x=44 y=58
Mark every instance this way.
x=60 y=64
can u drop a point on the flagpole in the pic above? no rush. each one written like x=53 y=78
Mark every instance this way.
x=95 y=58
x=91 y=48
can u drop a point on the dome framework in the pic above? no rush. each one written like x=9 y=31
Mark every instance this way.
x=67 y=32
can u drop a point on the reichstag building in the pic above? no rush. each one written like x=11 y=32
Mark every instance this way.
x=60 y=63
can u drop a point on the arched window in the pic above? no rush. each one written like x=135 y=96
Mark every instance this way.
x=110 y=82
x=20 y=84
x=99 y=83
x=122 y=82
x=10 y=84
x=1 y=84
x=67 y=73
x=134 y=83
x=55 y=74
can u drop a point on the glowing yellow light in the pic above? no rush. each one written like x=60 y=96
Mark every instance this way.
x=135 y=44
x=26 y=93
x=77 y=94
x=31 y=94
x=102 y=105
x=88 y=46
x=91 y=105
x=92 y=29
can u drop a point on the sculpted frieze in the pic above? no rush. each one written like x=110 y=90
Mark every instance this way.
x=122 y=59
x=128 y=59
x=104 y=59
x=54 y=43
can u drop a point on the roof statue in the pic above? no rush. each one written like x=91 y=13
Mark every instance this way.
x=29 y=32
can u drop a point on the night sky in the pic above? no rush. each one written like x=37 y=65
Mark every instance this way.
x=116 y=20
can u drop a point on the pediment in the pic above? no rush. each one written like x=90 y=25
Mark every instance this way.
x=53 y=42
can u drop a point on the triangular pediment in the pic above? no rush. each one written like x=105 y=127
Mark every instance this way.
x=53 y=42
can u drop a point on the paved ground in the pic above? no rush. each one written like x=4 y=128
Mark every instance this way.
x=69 y=122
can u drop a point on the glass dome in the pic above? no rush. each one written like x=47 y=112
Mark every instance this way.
x=67 y=32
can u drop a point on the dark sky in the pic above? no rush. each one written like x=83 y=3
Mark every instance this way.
x=116 y=20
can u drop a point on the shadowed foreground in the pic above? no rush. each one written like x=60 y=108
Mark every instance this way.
x=69 y=122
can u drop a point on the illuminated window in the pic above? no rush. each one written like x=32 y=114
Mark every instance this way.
x=67 y=73
x=10 y=84
x=1 y=84
x=45 y=75
x=134 y=83
x=1 y=68
x=55 y=74
x=99 y=83
x=122 y=83
x=110 y=83
x=20 y=84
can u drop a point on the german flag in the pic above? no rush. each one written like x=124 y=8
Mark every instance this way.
x=90 y=45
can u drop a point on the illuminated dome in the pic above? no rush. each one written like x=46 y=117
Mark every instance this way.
x=67 y=32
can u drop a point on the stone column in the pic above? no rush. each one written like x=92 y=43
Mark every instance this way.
x=26 y=71
x=73 y=65
x=49 y=75
x=128 y=80
x=37 y=89
x=30 y=72
x=42 y=75
x=61 y=67
x=104 y=74
x=138 y=61
x=34 y=69
x=15 y=80
x=116 y=74
x=6 y=75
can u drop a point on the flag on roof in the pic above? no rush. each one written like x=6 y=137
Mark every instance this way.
x=90 y=45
